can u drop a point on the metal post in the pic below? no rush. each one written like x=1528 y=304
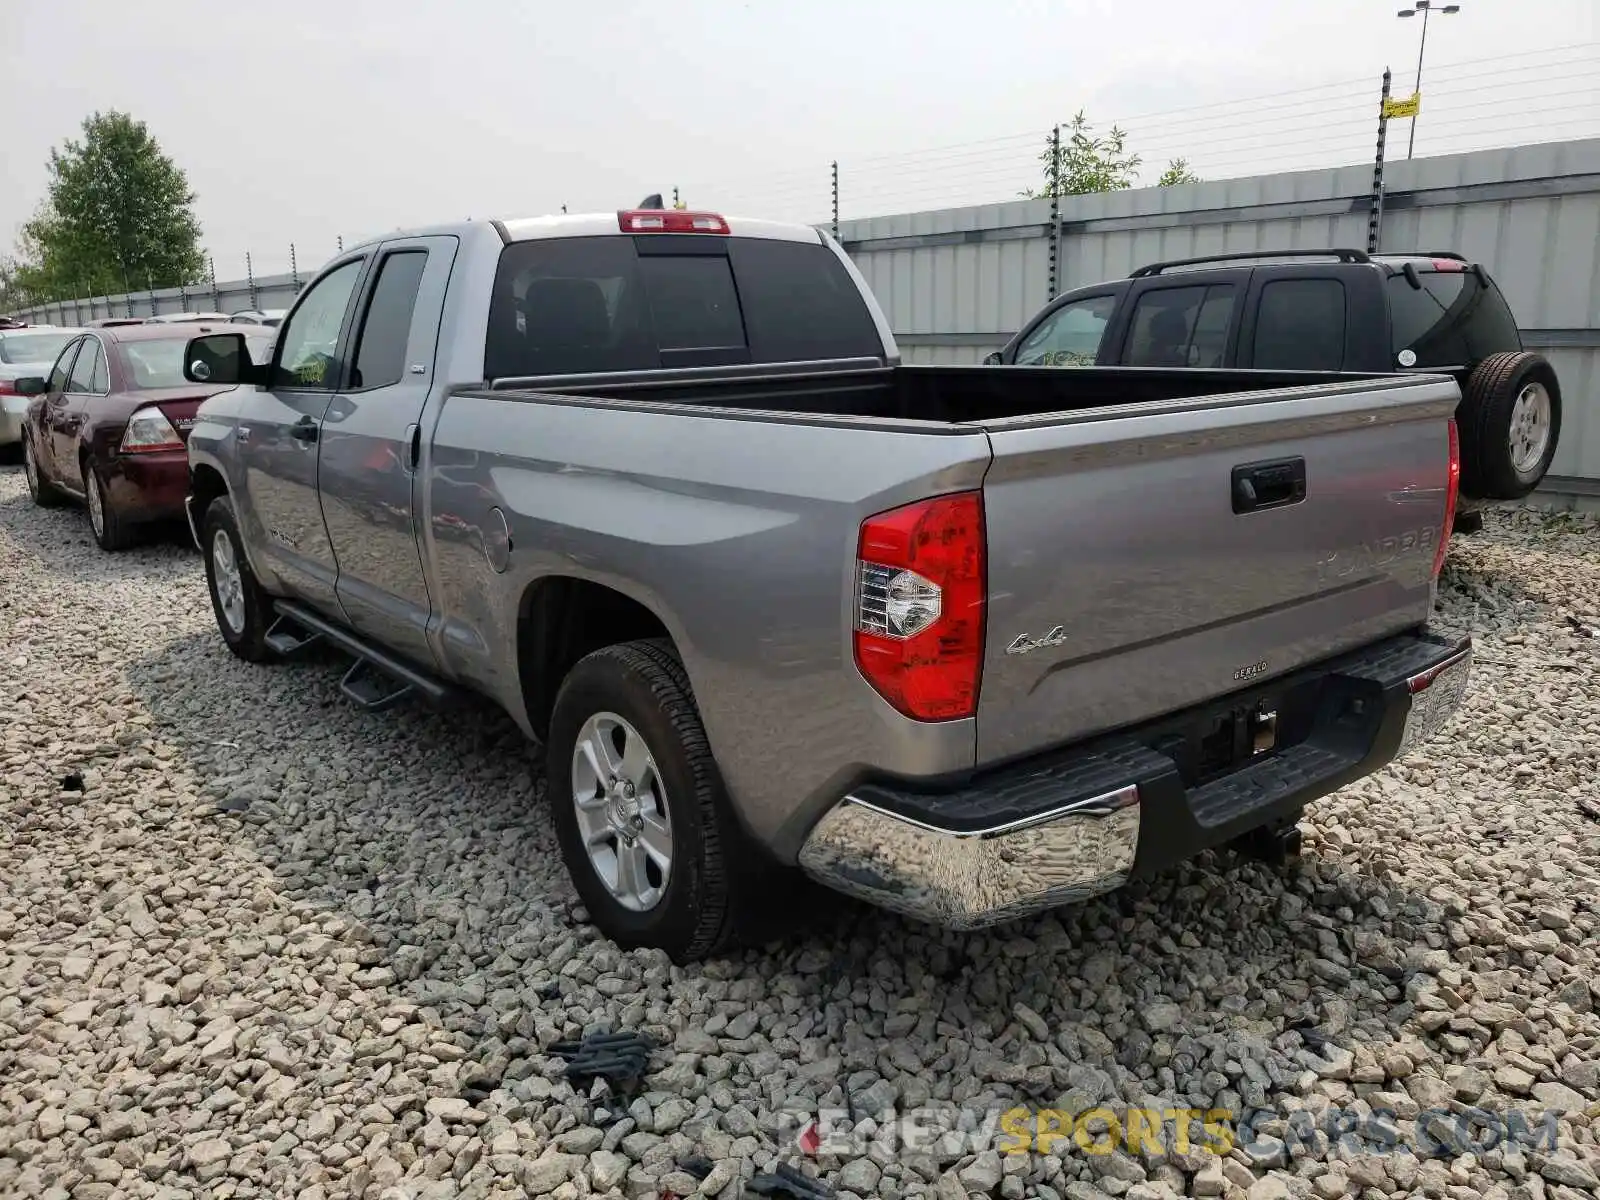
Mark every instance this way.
x=1055 y=211
x=211 y=271
x=127 y=292
x=294 y=268
x=674 y=196
x=341 y=243
x=1375 y=219
x=836 y=200
x=150 y=286
x=1411 y=143
x=250 y=276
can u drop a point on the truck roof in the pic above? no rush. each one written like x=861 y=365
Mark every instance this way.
x=605 y=224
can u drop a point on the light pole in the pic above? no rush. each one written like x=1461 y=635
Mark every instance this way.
x=1424 y=7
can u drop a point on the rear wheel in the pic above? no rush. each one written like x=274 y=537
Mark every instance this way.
x=243 y=610
x=111 y=532
x=1510 y=424
x=639 y=807
x=40 y=490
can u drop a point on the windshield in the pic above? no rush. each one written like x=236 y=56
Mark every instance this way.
x=32 y=347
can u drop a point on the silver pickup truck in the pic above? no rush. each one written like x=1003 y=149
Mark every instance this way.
x=967 y=642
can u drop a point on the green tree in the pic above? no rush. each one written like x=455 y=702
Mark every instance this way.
x=1087 y=163
x=1178 y=172
x=119 y=215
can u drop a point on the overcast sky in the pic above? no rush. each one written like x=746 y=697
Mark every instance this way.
x=303 y=120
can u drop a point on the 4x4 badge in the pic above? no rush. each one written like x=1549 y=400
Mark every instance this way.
x=1022 y=643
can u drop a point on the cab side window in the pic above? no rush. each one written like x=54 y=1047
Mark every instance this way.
x=1181 y=326
x=380 y=358
x=59 y=372
x=310 y=338
x=1068 y=337
x=1300 y=326
x=82 y=379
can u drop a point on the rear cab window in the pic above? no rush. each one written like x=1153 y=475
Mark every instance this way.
x=1453 y=320
x=564 y=306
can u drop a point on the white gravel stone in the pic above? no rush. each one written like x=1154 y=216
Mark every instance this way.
x=277 y=947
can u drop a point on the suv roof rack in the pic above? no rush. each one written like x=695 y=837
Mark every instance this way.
x=1343 y=255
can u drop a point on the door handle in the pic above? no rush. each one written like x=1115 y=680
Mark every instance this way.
x=413 y=447
x=1263 y=485
x=304 y=430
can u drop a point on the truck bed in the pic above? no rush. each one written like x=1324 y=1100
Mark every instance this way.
x=943 y=394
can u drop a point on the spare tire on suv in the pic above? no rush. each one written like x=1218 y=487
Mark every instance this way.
x=1510 y=421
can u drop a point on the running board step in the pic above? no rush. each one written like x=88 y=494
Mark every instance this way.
x=287 y=636
x=377 y=679
x=371 y=689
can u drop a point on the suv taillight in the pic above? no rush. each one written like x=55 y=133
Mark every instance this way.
x=920 y=594
x=1452 y=493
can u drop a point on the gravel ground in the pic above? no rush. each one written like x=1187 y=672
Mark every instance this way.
x=254 y=942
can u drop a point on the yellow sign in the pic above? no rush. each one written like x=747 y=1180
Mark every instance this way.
x=1410 y=106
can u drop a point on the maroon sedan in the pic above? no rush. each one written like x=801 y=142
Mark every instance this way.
x=109 y=425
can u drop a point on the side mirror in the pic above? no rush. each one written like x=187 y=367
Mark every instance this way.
x=31 y=385
x=992 y=359
x=221 y=359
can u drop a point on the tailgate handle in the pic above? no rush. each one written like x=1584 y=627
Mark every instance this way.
x=1261 y=485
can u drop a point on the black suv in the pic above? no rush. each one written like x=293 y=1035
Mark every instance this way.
x=1326 y=310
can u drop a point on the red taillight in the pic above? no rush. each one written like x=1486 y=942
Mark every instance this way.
x=7 y=387
x=655 y=220
x=920 y=593
x=1452 y=492
x=149 y=430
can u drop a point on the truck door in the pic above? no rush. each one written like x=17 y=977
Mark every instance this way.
x=278 y=433
x=371 y=443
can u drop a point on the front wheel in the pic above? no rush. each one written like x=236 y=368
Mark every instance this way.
x=639 y=807
x=242 y=608
x=40 y=490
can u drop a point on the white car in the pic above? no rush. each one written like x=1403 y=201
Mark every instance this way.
x=185 y=318
x=31 y=350
x=265 y=316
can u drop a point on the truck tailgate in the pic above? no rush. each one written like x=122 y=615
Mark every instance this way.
x=1144 y=559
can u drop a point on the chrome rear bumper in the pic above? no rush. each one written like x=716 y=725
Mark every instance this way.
x=1086 y=821
x=965 y=880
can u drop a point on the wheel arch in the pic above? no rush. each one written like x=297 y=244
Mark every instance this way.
x=560 y=619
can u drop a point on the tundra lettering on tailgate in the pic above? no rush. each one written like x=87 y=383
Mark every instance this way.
x=1368 y=556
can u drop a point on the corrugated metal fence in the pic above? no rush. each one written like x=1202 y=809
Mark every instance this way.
x=957 y=283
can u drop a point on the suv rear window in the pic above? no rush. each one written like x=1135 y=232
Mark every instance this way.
x=566 y=306
x=1453 y=320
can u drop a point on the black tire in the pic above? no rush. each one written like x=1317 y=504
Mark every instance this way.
x=1488 y=466
x=111 y=532
x=40 y=490
x=699 y=911
x=249 y=640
